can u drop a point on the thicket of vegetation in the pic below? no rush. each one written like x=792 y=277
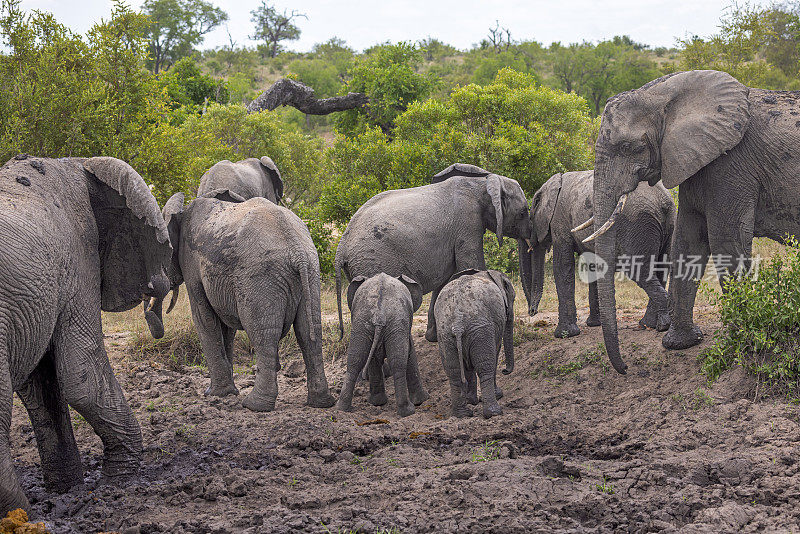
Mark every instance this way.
x=138 y=87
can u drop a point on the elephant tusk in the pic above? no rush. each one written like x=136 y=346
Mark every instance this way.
x=152 y=303
x=530 y=247
x=587 y=224
x=610 y=222
x=174 y=299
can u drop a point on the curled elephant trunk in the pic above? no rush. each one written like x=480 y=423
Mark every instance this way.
x=152 y=314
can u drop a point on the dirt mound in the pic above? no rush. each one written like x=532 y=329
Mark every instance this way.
x=16 y=522
x=578 y=448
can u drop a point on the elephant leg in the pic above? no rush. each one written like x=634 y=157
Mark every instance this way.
x=594 y=306
x=430 y=333
x=318 y=394
x=357 y=353
x=397 y=352
x=657 y=313
x=49 y=414
x=416 y=390
x=11 y=495
x=564 y=274
x=485 y=350
x=472 y=386
x=377 y=387
x=452 y=369
x=689 y=256
x=265 y=389
x=88 y=384
x=210 y=331
x=228 y=337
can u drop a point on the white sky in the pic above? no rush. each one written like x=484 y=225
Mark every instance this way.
x=457 y=22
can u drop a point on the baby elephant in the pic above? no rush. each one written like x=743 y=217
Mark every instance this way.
x=474 y=313
x=381 y=310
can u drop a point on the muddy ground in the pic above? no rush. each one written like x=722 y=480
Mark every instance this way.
x=578 y=448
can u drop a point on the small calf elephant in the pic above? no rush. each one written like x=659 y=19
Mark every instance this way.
x=474 y=314
x=644 y=235
x=381 y=310
x=248 y=266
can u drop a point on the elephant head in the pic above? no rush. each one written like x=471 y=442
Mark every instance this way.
x=506 y=208
x=171 y=215
x=531 y=262
x=668 y=130
x=134 y=246
x=414 y=290
x=242 y=180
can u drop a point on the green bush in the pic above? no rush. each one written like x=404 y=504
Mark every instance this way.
x=760 y=325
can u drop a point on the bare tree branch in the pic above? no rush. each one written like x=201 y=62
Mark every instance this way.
x=286 y=92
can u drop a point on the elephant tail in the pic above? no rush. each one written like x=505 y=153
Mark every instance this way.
x=304 y=267
x=458 y=332
x=376 y=338
x=338 y=270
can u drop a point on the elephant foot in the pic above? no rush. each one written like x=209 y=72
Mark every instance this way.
x=678 y=339
x=258 y=403
x=430 y=334
x=593 y=320
x=344 y=406
x=387 y=369
x=657 y=321
x=419 y=396
x=462 y=412
x=406 y=410
x=472 y=398
x=224 y=391
x=533 y=310
x=13 y=499
x=378 y=399
x=60 y=479
x=118 y=471
x=321 y=400
x=663 y=323
x=492 y=410
x=498 y=393
x=565 y=331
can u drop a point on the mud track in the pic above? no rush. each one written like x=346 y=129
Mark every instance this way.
x=578 y=448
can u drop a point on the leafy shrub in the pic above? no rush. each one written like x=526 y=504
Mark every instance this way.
x=760 y=325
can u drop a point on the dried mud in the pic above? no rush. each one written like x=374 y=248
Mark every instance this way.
x=578 y=448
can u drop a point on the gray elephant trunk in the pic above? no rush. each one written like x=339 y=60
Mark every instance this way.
x=605 y=246
x=508 y=346
x=537 y=278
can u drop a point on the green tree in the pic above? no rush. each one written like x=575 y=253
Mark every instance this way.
x=388 y=75
x=273 y=27
x=512 y=126
x=190 y=90
x=177 y=26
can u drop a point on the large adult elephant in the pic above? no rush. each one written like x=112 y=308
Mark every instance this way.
x=433 y=231
x=732 y=151
x=79 y=235
x=245 y=179
x=561 y=218
x=248 y=266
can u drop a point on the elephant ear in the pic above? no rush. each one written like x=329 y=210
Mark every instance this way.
x=544 y=207
x=414 y=288
x=507 y=288
x=223 y=194
x=465 y=272
x=706 y=113
x=494 y=187
x=134 y=244
x=459 y=169
x=352 y=288
x=274 y=174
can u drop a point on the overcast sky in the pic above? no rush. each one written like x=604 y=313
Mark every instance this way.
x=457 y=22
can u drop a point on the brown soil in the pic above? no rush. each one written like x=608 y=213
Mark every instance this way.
x=578 y=448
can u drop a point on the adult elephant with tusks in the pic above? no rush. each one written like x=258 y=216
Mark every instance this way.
x=433 y=231
x=79 y=236
x=731 y=150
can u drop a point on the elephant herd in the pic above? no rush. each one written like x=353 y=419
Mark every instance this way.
x=85 y=235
